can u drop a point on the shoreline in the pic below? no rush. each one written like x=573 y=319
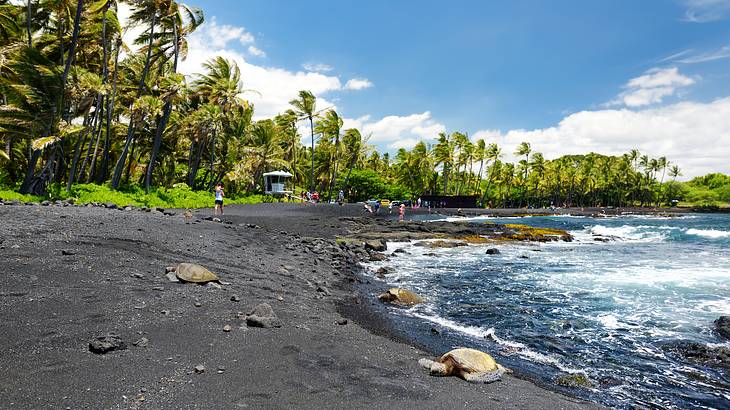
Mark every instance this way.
x=103 y=270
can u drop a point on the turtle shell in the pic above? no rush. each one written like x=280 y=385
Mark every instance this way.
x=400 y=297
x=471 y=360
x=191 y=272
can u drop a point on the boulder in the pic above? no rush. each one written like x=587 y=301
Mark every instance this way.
x=493 y=251
x=401 y=297
x=262 y=316
x=722 y=326
x=700 y=353
x=377 y=257
x=575 y=380
x=377 y=245
x=106 y=343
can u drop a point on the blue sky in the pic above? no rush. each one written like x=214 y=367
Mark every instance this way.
x=568 y=76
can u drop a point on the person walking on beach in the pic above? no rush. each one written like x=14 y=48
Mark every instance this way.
x=402 y=212
x=219 y=195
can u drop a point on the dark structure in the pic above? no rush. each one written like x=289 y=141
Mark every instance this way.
x=449 y=201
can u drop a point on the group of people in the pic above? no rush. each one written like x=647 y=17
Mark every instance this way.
x=313 y=197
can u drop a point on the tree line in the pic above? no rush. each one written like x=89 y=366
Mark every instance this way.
x=80 y=106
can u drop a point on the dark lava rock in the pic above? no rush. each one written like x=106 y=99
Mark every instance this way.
x=493 y=251
x=377 y=245
x=235 y=298
x=722 y=326
x=699 y=353
x=575 y=380
x=262 y=316
x=342 y=322
x=66 y=252
x=111 y=205
x=377 y=257
x=382 y=271
x=400 y=250
x=106 y=343
x=141 y=342
x=599 y=239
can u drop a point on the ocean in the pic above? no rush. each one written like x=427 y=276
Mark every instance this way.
x=617 y=311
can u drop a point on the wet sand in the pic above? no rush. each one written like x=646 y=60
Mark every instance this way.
x=72 y=273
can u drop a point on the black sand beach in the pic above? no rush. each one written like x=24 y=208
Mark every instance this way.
x=70 y=274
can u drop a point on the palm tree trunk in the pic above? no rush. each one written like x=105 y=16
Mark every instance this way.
x=92 y=166
x=130 y=128
x=163 y=121
x=109 y=113
x=80 y=141
x=96 y=131
x=311 y=175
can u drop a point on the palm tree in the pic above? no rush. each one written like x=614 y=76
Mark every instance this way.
x=480 y=152
x=330 y=126
x=444 y=155
x=524 y=149
x=305 y=106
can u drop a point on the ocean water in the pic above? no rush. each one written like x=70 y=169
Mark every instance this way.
x=610 y=310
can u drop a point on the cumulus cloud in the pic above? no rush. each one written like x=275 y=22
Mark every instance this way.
x=395 y=131
x=317 y=67
x=652 y=87
x=358 y=84
x=694 y=135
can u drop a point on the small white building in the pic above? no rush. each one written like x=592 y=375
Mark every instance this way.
x=275 y=183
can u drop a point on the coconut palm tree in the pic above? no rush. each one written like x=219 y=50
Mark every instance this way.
x=524 y=149
x=305 y=106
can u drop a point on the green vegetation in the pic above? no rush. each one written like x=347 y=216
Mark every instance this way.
x=709 y=191
x=180 y=196
x=83 y=116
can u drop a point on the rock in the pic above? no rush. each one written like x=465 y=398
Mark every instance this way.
x=199 y=369
x=342 y=322
x=400 y=250
x=399 y=296
x=575 y=380
x=158 y=209
x=67 y=252
x=158 y=288
x=382 y=271
x=216 y=220
x=279 y=298
x=722 y=326
x=524 y=257
x=441 y=244
x=227 y=328
x=262 y=316
x=110 y=205
x=377 y=257
x=127 y=208
x=106 y=343
x=141 y=342
x=711 y=356
x=235 y=298
x=198 y=304
x=599 y=239
x=377 y=245
x=172 y=277
x=493 y=251
x=435 y=331
x=323 y=289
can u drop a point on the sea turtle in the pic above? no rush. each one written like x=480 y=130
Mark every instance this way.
x=470 y=364
x=400 y=297
x=191 y=272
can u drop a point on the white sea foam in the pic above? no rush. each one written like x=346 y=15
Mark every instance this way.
x=480 y=333
x=631 y=233
x=708 y=233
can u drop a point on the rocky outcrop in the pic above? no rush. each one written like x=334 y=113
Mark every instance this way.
x=262 y=316
x=722 y=326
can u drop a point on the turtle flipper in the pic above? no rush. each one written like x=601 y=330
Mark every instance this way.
x=484 y=377
x=426 y=363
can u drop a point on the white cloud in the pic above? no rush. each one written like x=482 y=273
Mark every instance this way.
x=704 y=11
x=652 y=87
x=317 y=67
x=358 y=84
x=396 y=131
x=254 y=51
x=696 y=136
x=274 y=87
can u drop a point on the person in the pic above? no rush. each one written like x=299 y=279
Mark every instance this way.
x=341 y=197
x=418 y=203
x=315 y=197
x=402 y=213
x=219 y=195
x=390 y=208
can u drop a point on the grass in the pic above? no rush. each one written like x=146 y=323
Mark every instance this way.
x=180 y=196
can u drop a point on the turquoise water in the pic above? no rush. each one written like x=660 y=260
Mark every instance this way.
x=611 y=310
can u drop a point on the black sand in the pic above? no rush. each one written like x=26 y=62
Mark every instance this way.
x=68 y=274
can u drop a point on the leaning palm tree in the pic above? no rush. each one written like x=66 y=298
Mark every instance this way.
x=305 y=106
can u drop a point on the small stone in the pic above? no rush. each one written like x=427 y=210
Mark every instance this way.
x=435 y=331
x=221 y=369
x=111 y=205
x=235 y=298
x=342 y=322
x=227 y=328
x=199 y=369
x=171 y=277
x=198 y=304
x=158 y=288
x=106 y=343
x=138 y=275
x=141 y=342
x=262 y=316
x=67 y=252
x=324 y=290
x=279 y=298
